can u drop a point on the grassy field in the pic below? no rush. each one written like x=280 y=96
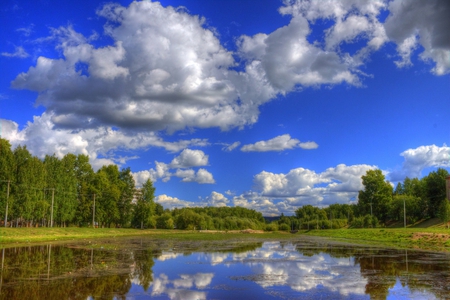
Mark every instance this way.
x=43 y=234
x=436 y=239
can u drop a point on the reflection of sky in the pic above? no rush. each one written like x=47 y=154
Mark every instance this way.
x=399 y=292
x=274 y=270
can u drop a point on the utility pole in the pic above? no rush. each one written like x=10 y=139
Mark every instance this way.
x=53 y=200
x=93 y=214
x=7 y=198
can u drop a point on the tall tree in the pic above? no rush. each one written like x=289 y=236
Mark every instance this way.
x=85 y=189
x=376 y=196
x=434 y=186
x=68 y=189
x=127 y=193
x=145 y=206
x=7 y=178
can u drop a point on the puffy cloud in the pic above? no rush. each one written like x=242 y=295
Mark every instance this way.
x=190 y=158
x=172 y=202
x=286 y=59
x=216 y=199
x=416 y=160
x=165 y=70
x=254 y=201
x=41 y=138
x=279 y=143
x=18 y=52
x=183 y=163
x=411 y=23
x=180 y=288
x=202 y=176
x=284 y=193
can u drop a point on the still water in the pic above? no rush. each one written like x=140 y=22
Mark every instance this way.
x=142 y=268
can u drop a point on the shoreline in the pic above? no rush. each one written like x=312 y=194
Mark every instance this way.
x=427 y=239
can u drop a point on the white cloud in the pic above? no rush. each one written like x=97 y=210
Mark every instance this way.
x=100 y=144
x=231 y=147
x=18 y=52
x=284 y=193
x=188 y=158
x=416 y=160
x=279 y=143
x=202 y=176
x=170 y=75
x=216 y=199
x=180 y=290
x=421 y=22
x=172 y=202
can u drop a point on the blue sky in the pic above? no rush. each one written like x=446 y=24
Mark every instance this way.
x=269 y=105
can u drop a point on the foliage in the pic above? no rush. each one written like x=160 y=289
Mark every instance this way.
x=366 y=221
x=444 y=212
x=376 y=196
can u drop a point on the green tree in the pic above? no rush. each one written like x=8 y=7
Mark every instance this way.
x=376 y=197
x=434 y=187
x=85 y=189
x=444 y=212
x=127 y=193
x=145 y=206
x=7 y=178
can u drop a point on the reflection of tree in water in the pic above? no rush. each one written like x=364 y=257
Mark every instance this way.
x=420 y=271
x=143 y=260
x=55 y=271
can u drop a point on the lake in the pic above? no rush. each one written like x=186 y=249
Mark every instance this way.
x=143 y=268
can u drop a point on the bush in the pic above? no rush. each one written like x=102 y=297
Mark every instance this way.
x=284 y=227
x=272 y=227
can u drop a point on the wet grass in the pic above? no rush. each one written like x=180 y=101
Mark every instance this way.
x=10 y=236
x=413 y=238
x=436 y=239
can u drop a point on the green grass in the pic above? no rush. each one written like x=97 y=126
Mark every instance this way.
x=10 y=236
x=418 y=238
x=436 y=239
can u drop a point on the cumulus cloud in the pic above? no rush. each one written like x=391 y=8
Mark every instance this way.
x=416 y=160
x=172 y=202
x=41 y=138
x=170 y=75
x=424 y=23
x=189 y=158
x=216 y=199
x=284 y=193
x=183 y=164
x=279 y=143
x=162 y=286
x=18 y=52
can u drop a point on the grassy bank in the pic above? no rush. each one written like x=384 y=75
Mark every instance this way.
x=413 y=238
x=437 y=239
x=34 y=235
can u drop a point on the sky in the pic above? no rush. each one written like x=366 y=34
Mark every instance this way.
x=268 y=105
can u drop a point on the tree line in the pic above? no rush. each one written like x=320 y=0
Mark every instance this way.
x=67 y=192
x=379 y=204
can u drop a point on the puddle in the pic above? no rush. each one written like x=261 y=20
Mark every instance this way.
x=142 y=268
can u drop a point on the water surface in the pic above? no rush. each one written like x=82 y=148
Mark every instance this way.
x=142 y=268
